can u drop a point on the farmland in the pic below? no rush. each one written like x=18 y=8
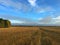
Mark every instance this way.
x=29 y=35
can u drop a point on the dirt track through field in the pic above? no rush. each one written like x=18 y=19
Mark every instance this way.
x=53 y=35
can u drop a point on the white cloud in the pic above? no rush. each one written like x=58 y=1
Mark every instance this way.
x=40 y=18
x=32 y=2
x=45 y=9
x=21 y=22
x=17 y=6
x=16 y=21
x=50 y=20
x=58 y=17
x=56 y=20
x=46 y=20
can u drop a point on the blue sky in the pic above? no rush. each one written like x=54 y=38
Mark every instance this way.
x=31 y=11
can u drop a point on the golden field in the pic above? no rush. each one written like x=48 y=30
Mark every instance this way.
x=30 y=36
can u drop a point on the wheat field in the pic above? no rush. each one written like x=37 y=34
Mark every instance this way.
x=30 y=36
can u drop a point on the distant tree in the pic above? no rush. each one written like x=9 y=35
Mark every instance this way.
x=1 y=22
x=5 y=23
